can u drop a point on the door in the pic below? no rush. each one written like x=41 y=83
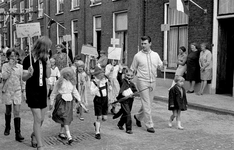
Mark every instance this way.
x=225 y=61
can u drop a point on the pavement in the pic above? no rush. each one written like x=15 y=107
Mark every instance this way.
x=215 y=103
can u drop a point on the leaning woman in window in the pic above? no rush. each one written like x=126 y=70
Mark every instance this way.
x=36 y=91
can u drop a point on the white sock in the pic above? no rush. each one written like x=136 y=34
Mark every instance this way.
x=68 y=134
x=97 y=125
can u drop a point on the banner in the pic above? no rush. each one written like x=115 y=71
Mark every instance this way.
x=28 y=30
x=114 y=53
x=89 y=50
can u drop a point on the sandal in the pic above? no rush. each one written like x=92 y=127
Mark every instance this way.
x=33 y=142
x=70 y=140
x=62 y=136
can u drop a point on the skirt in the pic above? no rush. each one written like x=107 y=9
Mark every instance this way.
x=181 y=70
x=206 y=74
x=63 y=111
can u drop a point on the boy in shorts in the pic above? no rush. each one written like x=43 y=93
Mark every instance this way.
x=99 y=88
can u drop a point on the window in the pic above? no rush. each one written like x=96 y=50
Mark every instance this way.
x=40 y=8
x=177 y=35
x=60 y=6
x=75 y=39
x=121 y=33
x=30 y=5
x=97 y=38
x=6 y=19
x=60 y=33
x=22 y=11
x=75 y=4
x=95 y=2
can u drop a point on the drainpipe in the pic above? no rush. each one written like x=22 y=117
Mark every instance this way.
x=84 y=29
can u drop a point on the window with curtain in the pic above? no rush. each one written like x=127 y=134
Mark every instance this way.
x=75 y=4
x=22 y=11
x=40 y=8
x=30 y=5
x=60 y=6
x=177 y=36
x=60 y=33
x=121 y=33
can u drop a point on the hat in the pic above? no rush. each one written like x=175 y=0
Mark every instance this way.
x=60 y=45
x=102 y=52
x=97 y=71
x=80 y=63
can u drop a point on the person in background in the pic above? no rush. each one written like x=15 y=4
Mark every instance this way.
x=177 y=101
x=26 y=50
x=36 y=89
x=145 y=64
x=21 y=52
x=193 y=69
x=61 y=57
x=12 y=90
x=205 y=62
x=111 y=71
x=102 y=61
x=181 y=62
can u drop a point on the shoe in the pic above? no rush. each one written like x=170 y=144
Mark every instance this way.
x=170 y=124
x=112 y=111
x=70 y=140
x=40 y=147
x=62 y=136
x=190 y=91
x=151 y=130
x=129 y=132
x=138 y=123
x=18 y=136
x=98 y=136
x=179 y=126
x=120 y=127
x=33 y=142
x=7 y=125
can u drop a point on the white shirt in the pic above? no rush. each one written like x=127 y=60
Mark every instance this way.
x=95 y=90
x=146 y=65
x=54 y=73
x=67 y=90
x=114 y=73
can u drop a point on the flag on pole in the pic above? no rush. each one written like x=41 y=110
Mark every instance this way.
x=50 y=23
x=178 y=5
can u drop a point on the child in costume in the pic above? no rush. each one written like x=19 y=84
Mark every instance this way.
x=63 y=93
x=111 y=72
x=99 y=88
x=177 y=101
x=127 y=89
x=55 y=74
x=82 y=79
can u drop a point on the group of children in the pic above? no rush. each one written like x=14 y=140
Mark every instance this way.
x=107 y=86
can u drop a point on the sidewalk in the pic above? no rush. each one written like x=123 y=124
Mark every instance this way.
x=208 y=102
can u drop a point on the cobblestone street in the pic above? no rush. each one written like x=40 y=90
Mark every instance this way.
x=203 y=131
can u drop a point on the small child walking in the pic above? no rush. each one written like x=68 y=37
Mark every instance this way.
x=55 y=74
x=99 y=88
x=82 y=80
x=127 y=89
x=177 y=101
x=63 y=93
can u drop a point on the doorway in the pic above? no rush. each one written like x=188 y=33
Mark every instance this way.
x=225 y=62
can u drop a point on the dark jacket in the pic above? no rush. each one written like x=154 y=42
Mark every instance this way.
x=175 y=101
x=125 y=85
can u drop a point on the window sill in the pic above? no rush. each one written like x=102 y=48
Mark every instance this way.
x=30 y=20
x=95 y=4
x=75 y=9
x=60 y=13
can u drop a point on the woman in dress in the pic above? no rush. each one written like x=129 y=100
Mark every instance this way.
x=193 y=69
x=12 y=91
x=61 y=58
x=35 y=74
x=182 y=67
x=205 y=62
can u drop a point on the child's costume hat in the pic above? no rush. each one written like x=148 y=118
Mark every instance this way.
x=97 y=71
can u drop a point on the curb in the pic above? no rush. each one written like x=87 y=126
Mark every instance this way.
x=200 y=107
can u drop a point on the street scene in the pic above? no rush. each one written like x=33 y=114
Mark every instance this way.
x=116 y=74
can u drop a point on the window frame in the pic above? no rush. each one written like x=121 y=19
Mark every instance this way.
x=95 y=30
x=166 y=38
x=58 y=4
x=40 y=6
x=75 y=7
x=58 y=33
x=95 y=2
x=22 y=9
x=30 y=6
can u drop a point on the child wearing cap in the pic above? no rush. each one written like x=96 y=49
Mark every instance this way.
x=99 y=87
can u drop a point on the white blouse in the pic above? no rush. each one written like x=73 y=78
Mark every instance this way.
x=67 y=90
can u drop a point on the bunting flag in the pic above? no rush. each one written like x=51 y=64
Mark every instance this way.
x=50 y=23
x=178 y=5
